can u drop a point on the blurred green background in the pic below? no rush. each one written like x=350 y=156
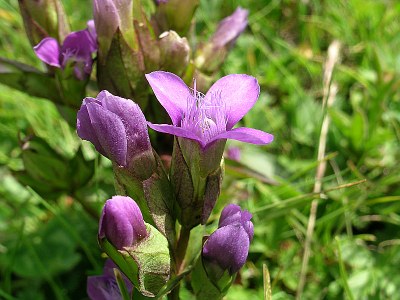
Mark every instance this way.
x=48 y=240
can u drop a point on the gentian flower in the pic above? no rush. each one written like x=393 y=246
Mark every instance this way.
x=118 y=130
x=228 y=246
x=77 y=48
x=105 y=287
x=210 y=117
x=121 y=222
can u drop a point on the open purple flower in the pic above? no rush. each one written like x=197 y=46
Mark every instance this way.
x=210 y=117
x=77 y=48
x=228 y=246
x=105 y=287
x=122 y=222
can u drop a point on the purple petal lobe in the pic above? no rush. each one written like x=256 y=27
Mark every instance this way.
x=247 y=135
x=228 y=246
x=78 y=46
x=110 y=132
x=238 y=92
x=171 y=92
x=103 y=288
x=229 y=215
x=48 y=51
x=177 y=131
x=135 y=124
x=85 y=129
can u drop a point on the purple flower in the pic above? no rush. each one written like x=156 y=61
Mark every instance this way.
x=121 y=222
x=118 y=130
x=77 y=48
x=105 y=287
x=228 y=246
x=210 y=117
x=230 y=28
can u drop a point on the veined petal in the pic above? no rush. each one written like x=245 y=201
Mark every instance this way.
x=48 y=51
x=77 y=46
x=238 y=92
x=84 y=127
x=247 y=135
x=177 y=131
x=110 y=131
x=171 y=92
x=134 y=121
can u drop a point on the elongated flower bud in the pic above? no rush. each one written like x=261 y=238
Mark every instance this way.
x=122 y=222
x=44 y=18
x=211 y=55
x=109 y=15
x=228 y=246
x=118 y=129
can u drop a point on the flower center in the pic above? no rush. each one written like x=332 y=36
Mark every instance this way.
x=205 y=117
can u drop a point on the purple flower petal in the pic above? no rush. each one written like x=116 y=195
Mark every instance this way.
x=177 y=131
x=93 y=35
x=247 y=135
x=103 y=288
x=171 y=92
x=85 y=129
x=77 y=46
x=229 y=215
x=110 y=132
x=134 y=121
x=228 y=246
x=238 y=92
x=48 y=51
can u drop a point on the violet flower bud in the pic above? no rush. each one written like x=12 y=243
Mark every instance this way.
x=233 y=153
x=77 y=49
x=211 y=55
x=228 y=246
x=105 y=287
x=118 y=130
x=109 y=15
x=121 y=222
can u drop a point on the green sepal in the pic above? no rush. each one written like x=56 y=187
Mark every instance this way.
x=121 y=73
x=196 y=175
x=153 y=195
x=146 y=264
x=205 y=284
x=44 y=18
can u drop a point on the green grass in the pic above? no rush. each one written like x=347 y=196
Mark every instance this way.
x=355 y=247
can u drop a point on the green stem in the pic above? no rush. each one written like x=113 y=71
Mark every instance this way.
x=180 y=252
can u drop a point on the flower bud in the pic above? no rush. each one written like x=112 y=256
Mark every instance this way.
x=175 y=52
x=228 y=246
x=105 y=287
x=122 y=222
x=211 y=55
x=44 y=18
x=109 y=15
x=118 y=130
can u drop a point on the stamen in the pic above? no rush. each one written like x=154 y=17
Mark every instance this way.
x=205 y=117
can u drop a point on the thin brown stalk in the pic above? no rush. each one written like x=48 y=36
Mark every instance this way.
x=329 y=94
